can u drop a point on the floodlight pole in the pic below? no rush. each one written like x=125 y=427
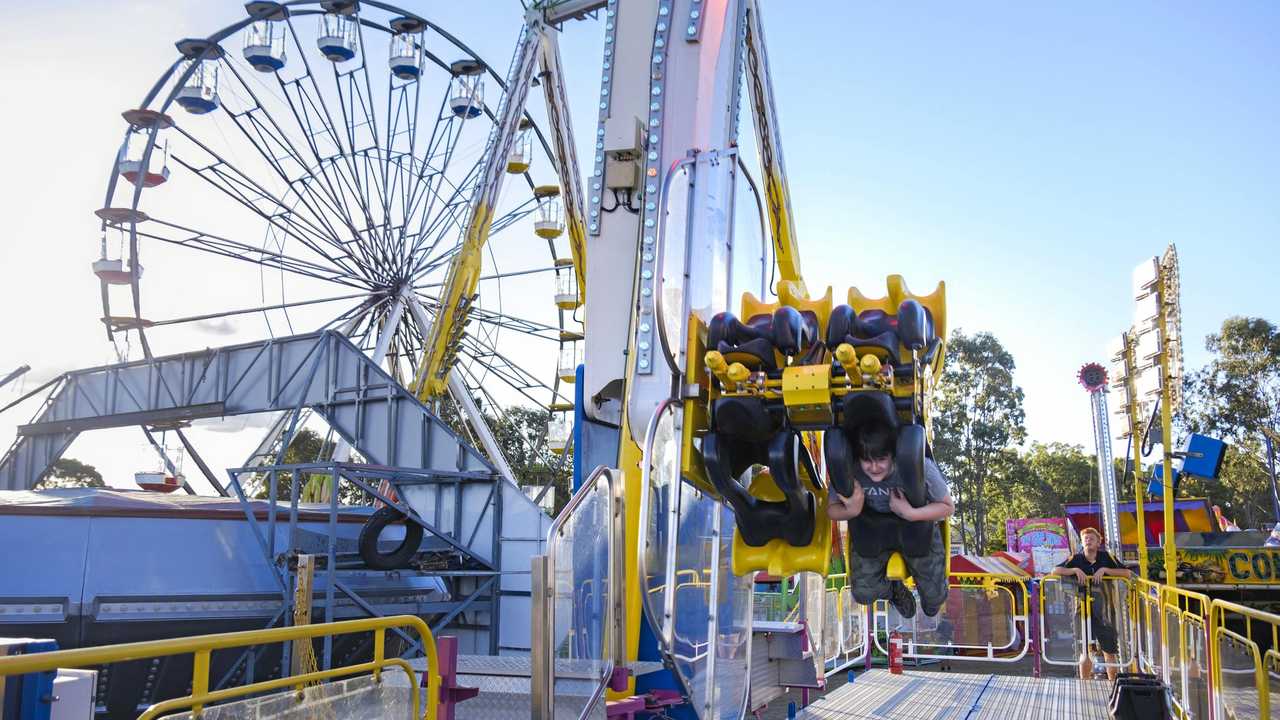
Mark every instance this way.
x=1139 y=492
x=1269 y=434
x=1166 y=428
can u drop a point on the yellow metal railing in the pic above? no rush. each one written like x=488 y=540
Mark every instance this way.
x=1231 y=678
x=201 y=649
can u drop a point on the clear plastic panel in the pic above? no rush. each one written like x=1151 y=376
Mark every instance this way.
x=1154 y=641
x=357 y=698
x=831 y=626
x=733 y=630
x=748 y=255
x=844 y=632
x=664 y=471
x=266 y=36
x=1272 y=662
x=695 y=540
x=707 y=291
x=853 y=616
x=338 y=27
x=1196 y=705
x=1173 y=653
x=580 y=587
x=706 y=610
x=973 y=618
x=671 y=286
x=404 y=45
x=1062 y=630
x=1239 y=689
x=1148 y=633
x=1110 y=603
x=770 y=606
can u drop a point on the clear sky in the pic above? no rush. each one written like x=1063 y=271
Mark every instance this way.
x=1029 y=154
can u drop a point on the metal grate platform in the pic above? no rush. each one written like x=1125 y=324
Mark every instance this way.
x=922 y=695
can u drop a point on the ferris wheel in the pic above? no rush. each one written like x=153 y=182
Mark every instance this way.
x=312 y=166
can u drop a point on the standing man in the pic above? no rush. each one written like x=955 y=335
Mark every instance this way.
x=1093 y=563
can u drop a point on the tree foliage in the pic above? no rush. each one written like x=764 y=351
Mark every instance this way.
x=978 y=430
x=71 y=473
x=977 y=416
x=521 y=432
x=1235 y=397
x=1238 y=392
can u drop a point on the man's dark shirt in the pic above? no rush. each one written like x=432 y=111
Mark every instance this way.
x=1104 y=559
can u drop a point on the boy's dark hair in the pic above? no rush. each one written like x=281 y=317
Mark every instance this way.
x=875 y=441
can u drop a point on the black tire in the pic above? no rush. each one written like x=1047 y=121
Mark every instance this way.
x=398 y=558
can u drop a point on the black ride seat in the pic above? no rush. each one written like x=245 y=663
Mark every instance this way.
x=880 y=334
x=745 y=432
x=787 y=331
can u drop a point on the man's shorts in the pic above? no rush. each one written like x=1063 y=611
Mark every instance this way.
x=867 y=576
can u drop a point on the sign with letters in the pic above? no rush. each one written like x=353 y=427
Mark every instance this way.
x=1222 y=565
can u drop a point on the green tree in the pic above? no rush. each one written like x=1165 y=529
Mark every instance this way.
x=71 y=473
x=521 y=432
x=307 y=447
x=1238 y=392
x=1236 y=396
x=977 y=416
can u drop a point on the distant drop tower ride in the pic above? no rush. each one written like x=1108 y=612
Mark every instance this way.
x=1094 y=379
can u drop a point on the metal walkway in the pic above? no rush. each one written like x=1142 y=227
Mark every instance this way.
x=924 y=695
x=323 y=371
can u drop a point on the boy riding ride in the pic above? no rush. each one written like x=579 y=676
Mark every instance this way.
x=878 y=490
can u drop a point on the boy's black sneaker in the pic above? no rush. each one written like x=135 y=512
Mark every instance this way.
x=902 y=599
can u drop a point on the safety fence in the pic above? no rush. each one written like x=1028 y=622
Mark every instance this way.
x=1220 y=660
x=385 y=684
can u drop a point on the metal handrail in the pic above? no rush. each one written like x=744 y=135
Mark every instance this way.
x=202 y=647
x=1218 y=611
x=579 y=496
x=642 y=565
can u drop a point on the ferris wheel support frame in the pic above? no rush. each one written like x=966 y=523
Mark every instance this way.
x=537 y=45
x=471 y=413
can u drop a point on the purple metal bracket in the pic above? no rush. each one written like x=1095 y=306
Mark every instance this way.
x=1033 y=627
x=618 y=680
x=451 y=693
x=626 y=708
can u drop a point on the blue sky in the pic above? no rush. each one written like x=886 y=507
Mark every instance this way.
x=1029 y=154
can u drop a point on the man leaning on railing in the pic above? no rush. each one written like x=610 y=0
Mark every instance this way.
x=1092 y=562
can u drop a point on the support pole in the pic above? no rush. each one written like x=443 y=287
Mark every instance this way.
x=462 y=396
x=303 y=659
x=1269 y=434
x=1135 y=442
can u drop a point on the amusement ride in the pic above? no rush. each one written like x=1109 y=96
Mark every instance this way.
x=386 y=202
